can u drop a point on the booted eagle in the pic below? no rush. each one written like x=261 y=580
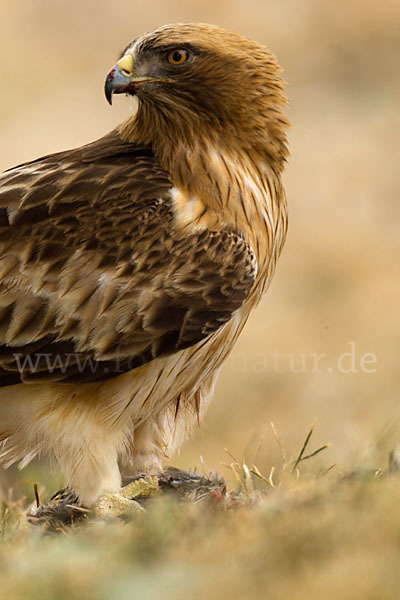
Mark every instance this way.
x=129 y=266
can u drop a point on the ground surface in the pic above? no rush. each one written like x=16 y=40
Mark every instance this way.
x=301 y=531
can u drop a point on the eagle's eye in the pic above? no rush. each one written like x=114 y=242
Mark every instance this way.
x=178 y=57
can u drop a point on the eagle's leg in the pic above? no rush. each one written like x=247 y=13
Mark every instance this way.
x=75 y=429
x=91 y=469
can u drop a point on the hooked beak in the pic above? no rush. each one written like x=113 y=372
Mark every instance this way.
x=121 y=80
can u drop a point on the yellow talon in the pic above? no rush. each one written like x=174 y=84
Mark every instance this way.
x=124 y=502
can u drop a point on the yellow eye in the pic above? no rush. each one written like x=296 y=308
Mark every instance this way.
x=178 y=57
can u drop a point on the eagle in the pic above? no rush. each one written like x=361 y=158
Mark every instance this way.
x=129 y=266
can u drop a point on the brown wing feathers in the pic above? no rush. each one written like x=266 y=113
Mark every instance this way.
x=94 y=280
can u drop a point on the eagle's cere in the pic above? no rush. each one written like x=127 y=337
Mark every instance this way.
x=128 y=267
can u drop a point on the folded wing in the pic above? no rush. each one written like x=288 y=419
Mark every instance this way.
x=94 y=278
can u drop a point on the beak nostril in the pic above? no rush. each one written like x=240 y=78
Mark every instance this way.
x=125 y=65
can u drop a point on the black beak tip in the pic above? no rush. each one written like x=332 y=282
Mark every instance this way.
x=108 y=89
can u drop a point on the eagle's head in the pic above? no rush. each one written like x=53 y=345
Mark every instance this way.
x=191 y=77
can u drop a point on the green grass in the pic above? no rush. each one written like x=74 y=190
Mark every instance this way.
x=300 y=531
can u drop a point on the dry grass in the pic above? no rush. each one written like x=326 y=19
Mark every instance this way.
x=295 y=533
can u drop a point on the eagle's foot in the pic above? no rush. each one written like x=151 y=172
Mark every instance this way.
x=125 y=502
x=62 y=510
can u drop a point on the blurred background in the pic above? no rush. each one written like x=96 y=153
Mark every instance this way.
x=336 y=289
